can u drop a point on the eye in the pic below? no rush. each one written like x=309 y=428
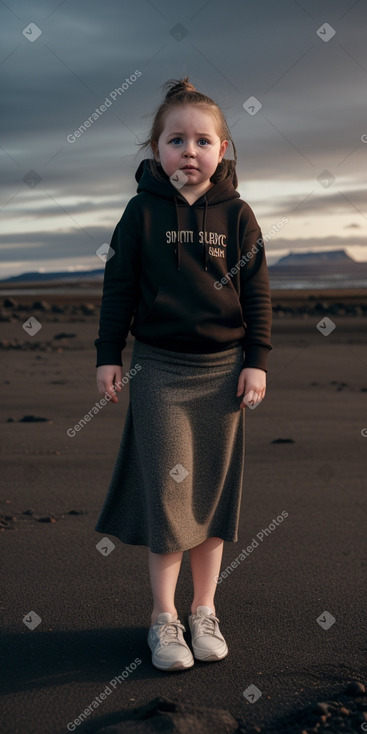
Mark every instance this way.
x=174 y=140
x=204 y=140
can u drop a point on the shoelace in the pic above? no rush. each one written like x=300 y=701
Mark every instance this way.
x=169 y=629
x=207 y=625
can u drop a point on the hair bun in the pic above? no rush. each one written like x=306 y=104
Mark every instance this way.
x=177 y=86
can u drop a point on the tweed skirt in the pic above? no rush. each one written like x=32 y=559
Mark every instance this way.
x=179 y=472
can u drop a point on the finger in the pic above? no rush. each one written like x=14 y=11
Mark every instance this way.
x=111 y=390
x=241 y=385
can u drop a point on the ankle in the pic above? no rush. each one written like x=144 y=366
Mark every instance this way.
x=207 y=603
x=156 y=612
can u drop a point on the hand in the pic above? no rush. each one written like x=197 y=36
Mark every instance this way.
x=107 y=375
x=252 y=385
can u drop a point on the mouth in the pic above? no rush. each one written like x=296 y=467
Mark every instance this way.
x=189 y=168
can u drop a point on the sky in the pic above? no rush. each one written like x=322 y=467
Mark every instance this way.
x=302 y=153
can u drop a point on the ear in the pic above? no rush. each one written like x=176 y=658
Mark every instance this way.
x=222 y=149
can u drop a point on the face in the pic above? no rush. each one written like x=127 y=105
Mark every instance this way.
x=189 y=138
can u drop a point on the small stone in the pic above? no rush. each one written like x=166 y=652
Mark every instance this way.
x=355 y=688
x=88 y=308
x=10 y=420
x=47 y=518
x=64 y=335
x=10 y=303
x=31 y=419
x=283 y=440
x=344 y=711
x=41 y=306
x=6 y=523
x=4 y=316
x=321 y=708
x=28 y=512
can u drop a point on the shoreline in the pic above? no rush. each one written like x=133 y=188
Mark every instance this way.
x=295 y=298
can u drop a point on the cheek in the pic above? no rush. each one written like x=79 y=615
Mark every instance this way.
x=164 y=153
x=171 y=153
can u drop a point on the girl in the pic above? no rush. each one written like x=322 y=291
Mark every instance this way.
x=187 y=266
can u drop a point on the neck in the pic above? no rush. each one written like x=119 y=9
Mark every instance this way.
x=192 y=193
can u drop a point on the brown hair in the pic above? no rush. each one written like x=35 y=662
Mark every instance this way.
x=182 y=92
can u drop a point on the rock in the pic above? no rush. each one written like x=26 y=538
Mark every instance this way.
x=283 y=440
x=64 y=335
x=6 y=522
x=28 y=512
x=87 y=308
x=46 y=518
x=10 y=303
x=10 y=420
x=41 y=306
x=163 y=715
x=321 y=708
x=4 y=316
x=57 y=309
x=31 y=419
x=355 y=688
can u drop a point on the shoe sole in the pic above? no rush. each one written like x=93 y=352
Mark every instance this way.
x=175 y=666
x=210 y=658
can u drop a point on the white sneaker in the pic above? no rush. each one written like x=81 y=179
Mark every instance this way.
x=166 y=641
x=207 y=641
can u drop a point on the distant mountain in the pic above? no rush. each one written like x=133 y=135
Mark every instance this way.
x=326 y=269
x=326 y=257
x=61 y=275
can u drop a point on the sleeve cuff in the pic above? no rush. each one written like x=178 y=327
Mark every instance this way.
x=108 y=353
x=256 y=356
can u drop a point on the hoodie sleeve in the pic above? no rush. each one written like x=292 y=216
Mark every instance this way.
x=120 y=289
x=255 y=296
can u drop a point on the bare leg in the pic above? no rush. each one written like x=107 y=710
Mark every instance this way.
x=205 y=561
x=164 y=569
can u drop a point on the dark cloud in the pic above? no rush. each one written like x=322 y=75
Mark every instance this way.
x=312 y=118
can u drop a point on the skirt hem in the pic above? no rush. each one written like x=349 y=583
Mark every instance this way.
x=193 y=544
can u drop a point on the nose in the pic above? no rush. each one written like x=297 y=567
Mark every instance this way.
x=189 y=149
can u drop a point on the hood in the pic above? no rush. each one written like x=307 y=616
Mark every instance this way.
x=217 y=194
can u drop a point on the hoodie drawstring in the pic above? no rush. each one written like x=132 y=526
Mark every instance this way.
x=206 y=253
x=178 y=249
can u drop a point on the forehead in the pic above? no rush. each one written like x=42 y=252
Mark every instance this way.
x=191 y=119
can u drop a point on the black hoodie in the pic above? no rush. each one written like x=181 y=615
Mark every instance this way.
x=194 y=277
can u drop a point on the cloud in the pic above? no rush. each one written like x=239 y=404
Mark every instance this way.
x=312 y=118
